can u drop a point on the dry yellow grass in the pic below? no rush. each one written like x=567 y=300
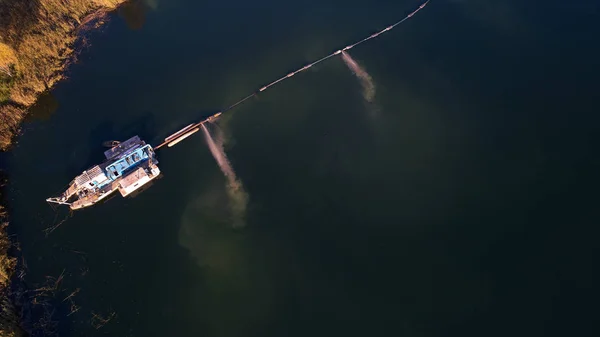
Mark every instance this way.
x=7 y=264
x=10 y=118
x=7 y=59
x=9 y=320
x=37 y=38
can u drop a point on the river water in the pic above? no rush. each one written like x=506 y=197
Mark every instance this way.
x=460 y=201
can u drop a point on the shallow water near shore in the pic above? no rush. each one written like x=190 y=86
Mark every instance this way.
x=463 y=207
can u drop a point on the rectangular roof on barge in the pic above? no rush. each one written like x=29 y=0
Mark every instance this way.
x=94 y=175
x=124 y=147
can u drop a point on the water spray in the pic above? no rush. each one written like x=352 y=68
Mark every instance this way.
x=238 y=198
x=363 y=76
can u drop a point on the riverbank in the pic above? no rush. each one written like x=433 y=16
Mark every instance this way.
x=38 y=40
x=9 y=319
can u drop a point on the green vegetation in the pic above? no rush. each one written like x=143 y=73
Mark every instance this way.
x=37 y=39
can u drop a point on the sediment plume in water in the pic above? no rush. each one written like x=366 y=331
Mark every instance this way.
x=238 y=198
x=365 y=79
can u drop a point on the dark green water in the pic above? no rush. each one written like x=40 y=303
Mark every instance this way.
x=461 y=202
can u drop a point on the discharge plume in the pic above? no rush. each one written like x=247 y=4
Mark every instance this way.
x=365 y=79
x=238 y=198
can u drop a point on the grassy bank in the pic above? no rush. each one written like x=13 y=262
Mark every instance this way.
x=37 y=43
x=37 y=39
x=9 y=319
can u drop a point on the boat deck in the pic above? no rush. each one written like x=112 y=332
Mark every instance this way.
x=91 y=199
x=133 y=181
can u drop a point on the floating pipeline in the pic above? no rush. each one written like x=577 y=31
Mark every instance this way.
x=181 y=134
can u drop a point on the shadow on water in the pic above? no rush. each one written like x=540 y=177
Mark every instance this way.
x=134 y=14
x=45 y=106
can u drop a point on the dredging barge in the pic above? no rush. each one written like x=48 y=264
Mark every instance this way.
x=129 y=165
